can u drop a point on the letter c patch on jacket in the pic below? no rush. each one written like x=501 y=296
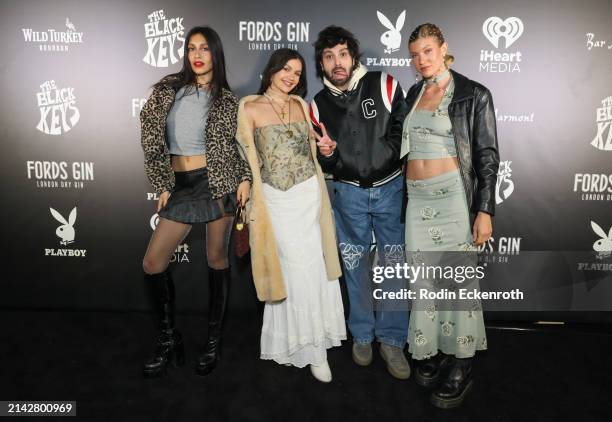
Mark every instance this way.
x=369 y=108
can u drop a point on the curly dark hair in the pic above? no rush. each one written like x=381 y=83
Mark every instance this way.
x=330 y=37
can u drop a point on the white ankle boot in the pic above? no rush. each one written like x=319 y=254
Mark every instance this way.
x=321 y=372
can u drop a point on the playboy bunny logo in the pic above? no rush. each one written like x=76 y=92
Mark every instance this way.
x=66 y=230
x=603 y=245
x=351 y=255
x=392 y=39
x=494 y=28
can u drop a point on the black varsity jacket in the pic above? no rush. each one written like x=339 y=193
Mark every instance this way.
x=366 y=122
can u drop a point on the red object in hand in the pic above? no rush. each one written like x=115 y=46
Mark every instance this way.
x=241 y=233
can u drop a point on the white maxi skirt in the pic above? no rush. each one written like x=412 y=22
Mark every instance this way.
x=300 y=329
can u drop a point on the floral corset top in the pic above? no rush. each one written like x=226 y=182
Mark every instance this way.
x=284 y=154
x=431 y=132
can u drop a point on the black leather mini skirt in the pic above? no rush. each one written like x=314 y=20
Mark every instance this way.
x=191 y=201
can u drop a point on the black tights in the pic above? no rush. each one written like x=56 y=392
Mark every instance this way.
x=169 y=234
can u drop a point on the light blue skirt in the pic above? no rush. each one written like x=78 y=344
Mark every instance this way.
x=438 y=222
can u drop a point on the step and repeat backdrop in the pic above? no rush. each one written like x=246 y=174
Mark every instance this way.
x=79 y=211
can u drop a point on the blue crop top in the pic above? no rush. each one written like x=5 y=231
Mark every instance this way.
x=186 y=122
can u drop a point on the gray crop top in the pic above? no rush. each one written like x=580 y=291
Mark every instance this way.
x=186 y=122
x=431 y=132
x=285 y=160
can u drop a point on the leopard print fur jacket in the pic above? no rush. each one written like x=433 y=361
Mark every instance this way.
x=226 y=167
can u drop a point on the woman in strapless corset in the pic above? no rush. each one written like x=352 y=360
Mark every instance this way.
x=193 y=163
x=450 y=145
x=294 y=256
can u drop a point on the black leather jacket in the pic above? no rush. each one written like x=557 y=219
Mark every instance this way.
x=472 y=117
x=366 y=122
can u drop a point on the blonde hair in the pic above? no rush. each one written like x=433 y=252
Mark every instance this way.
x=431 y=30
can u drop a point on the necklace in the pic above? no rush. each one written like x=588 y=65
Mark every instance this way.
x=436 y=79
x=283 y=104
x=448 y=89
x=288 y=130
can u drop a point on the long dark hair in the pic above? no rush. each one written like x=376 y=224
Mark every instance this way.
x=277 y=61
x=186 y=75
x=330 y=37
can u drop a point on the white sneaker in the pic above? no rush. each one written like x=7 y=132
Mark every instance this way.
x=321 y=372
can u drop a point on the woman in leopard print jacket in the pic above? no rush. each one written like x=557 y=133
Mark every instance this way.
x=193 y=163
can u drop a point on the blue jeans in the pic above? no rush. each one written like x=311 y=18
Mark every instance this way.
x=359 y=212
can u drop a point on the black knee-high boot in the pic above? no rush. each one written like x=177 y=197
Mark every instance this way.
x=455 y=386
x=169 y=347
x=218 y=287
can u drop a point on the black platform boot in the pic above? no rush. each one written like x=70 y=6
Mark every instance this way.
x=169 y=347
x=456 y=385
x=218 y=287
x=429 y=371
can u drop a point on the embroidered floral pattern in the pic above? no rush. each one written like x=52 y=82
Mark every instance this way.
x=420 y=339
x=447 y=328
x=465 y=341
x=430 y=311
x=474 y=312
x=442 y=110
x=428 y=354
x=286 y=160
x=431 y=131
x=423 y=132
x=439 y=112
x=428 y=213
x=436 y=234
x=462 y=341
x=417 y=258
x=467 y=247
x=440 y=192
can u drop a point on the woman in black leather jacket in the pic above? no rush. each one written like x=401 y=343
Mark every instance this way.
x=450 y=145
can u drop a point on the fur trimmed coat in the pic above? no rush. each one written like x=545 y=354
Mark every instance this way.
x=265 y=263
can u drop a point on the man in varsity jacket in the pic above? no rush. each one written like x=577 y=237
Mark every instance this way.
x=359 y=115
